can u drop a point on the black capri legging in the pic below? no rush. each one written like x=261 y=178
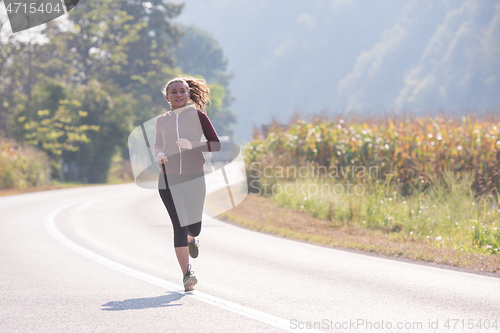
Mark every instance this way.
x=183 y=197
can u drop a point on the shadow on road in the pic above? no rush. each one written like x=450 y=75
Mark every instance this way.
x=143 y=303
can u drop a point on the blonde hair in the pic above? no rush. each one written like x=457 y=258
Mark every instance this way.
x=198 y=90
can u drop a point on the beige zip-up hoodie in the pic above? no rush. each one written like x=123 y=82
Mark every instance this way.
x=190 y=124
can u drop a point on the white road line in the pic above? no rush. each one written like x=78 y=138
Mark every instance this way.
x=50 y=225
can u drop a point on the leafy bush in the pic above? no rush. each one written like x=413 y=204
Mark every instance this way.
x=21 y=167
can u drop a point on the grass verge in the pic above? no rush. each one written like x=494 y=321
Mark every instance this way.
x=265 y=215
x=47 y=187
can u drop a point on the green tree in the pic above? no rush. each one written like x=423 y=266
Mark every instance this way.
x=127 y=42
x=201 y=54
x=110 y=60
x=113 y=112
x=17 y=69
x=151 y=57
x=53 y=123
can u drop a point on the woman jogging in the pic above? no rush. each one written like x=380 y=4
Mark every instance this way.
x=179 y=152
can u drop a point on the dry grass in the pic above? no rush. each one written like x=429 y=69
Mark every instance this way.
x=263 y=214
x=14 y=191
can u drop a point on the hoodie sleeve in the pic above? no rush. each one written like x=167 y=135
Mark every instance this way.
x=213 y=142
x=158 y=146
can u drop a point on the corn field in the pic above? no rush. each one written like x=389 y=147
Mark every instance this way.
x=413 y=152
x=438 y=179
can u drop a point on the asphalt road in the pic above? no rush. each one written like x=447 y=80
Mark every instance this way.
x=101 y=259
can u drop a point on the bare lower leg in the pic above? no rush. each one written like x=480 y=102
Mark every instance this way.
x=190 y=238
x=182 y=254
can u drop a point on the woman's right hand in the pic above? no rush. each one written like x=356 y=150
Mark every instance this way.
x=161 y=158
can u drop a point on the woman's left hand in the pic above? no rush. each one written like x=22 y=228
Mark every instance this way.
x=184 y=143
